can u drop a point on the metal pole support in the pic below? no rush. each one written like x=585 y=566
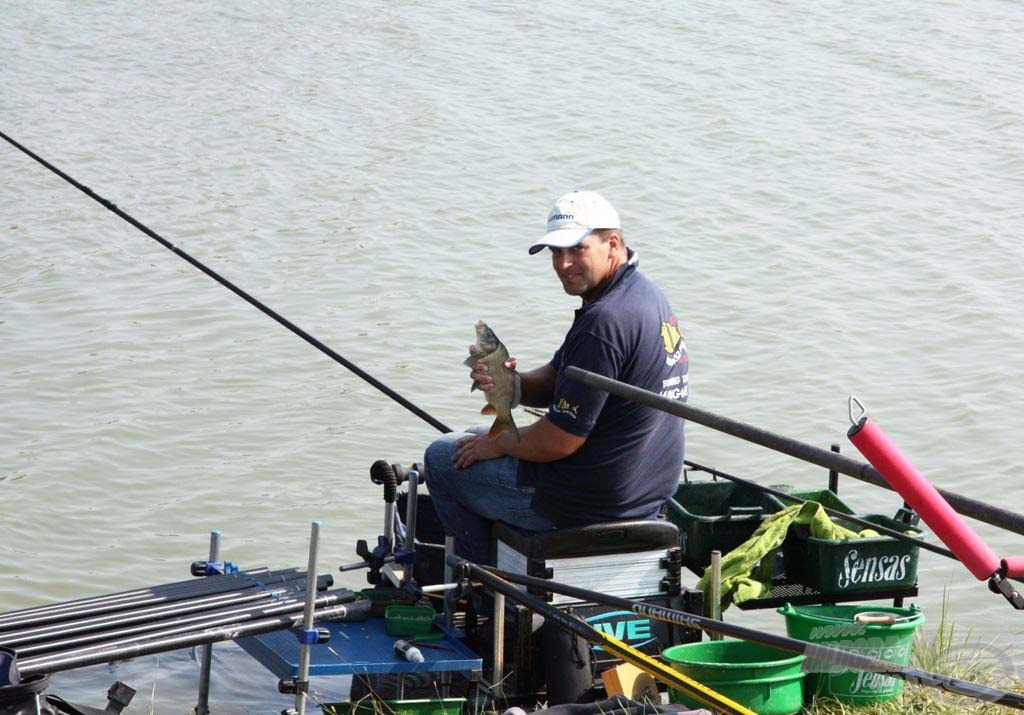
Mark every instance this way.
x=307 y=619
x=206 y=651
x=714 y=607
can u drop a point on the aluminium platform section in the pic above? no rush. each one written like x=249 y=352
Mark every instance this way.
x=359 y=648
x=783 y=592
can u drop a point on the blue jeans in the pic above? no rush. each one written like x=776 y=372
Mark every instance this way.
x=468 y=501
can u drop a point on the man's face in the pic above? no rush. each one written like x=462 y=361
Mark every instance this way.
x=584 y=268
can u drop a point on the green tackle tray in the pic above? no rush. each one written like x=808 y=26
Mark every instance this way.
x=826 y=497
x=370 y=706
x=409 y=621
x=849 y=566
x=381 y=597
x=716 y=516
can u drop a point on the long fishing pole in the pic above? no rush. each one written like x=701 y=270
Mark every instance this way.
x=233 y=631
x=176 y=627
x=234 y=289
x=79 y=637
x=835 y=656
x=973 y=508
x=203 y=605
x=656 y=669
x=168 y=593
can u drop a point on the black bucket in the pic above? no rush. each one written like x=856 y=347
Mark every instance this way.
x=20 y=696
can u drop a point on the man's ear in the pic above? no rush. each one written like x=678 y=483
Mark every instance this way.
x=615 y=238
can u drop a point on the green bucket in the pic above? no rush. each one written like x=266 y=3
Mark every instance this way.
x=766 y=680
x=837 y=627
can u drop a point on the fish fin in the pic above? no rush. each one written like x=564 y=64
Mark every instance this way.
x=474 y=386
x=488 y=409
x=502 y=423
x=471 y=360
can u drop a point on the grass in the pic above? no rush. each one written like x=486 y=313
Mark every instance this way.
x=948 y=653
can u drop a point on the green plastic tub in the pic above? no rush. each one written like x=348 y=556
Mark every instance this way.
x=766 y=680
x=837 y=626
x=839 y=567
x=716 y=516
x=369 y=706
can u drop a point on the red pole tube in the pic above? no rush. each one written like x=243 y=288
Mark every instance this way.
x=949 y=526
x=1013 y=566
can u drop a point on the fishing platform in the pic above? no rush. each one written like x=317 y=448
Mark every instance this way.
x=473 y=644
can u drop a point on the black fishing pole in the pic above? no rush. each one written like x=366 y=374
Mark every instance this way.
x=973 y=508
x=835 y=656
x=234 y=289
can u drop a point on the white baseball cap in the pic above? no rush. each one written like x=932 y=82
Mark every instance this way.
x=574 y=217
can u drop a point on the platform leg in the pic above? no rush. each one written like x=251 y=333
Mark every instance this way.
x=449 y=577
x=714 y=606
x=498 y=624
x=206 y=651
x=307 y=619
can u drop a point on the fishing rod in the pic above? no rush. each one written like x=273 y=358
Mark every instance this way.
x=836 y=656
x=147 y=616
x=167 y=593
x=973 y=508
x=78 y=637
x=32 y=666
x=654 y=668
x=234 y=289
x=179 y=626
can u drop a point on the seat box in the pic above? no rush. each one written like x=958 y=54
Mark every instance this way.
x=630 y=559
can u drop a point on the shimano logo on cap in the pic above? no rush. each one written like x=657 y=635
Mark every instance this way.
x=561 y=217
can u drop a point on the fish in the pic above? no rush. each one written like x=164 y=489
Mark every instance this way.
x=492 y=352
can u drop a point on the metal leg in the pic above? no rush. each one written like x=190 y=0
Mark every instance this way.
x=206 y=651
x=307 y=620
x=498 y=667
x=714 y=607
x=449 y=577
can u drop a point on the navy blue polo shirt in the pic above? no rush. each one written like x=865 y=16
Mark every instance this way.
x=633 y=455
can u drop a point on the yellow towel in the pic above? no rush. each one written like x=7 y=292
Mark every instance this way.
x=747 y=574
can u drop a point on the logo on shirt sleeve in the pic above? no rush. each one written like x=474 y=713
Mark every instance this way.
x=672 y=341
x=564 y=407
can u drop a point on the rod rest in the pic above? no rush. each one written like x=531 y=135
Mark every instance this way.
x=614 y=537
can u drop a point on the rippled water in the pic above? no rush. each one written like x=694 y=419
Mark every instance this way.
x=831 y=197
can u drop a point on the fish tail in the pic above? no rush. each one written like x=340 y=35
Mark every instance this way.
x=504 y=422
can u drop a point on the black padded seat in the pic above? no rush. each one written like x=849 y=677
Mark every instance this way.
x=614 y=537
